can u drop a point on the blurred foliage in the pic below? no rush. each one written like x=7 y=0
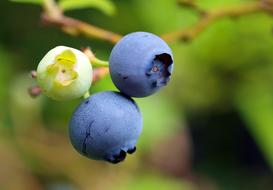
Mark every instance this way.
x=105 y=6
x=227 y=69
x=153 y=181
x=38 y=2
x=256 y=106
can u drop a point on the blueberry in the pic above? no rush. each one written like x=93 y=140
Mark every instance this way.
x=106 y=126
x=141 y=63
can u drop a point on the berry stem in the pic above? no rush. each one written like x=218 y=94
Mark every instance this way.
x=99 y=63
x=96 y=62
x=86 y=95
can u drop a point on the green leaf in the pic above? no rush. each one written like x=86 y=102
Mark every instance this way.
x=106 y=6
x=150 y=180
x=255 y=104
x=159 y=122
x=37 y=2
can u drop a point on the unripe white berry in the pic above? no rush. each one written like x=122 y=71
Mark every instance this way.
x=64 y=73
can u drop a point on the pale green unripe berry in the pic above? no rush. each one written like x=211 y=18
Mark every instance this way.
x=64 y=73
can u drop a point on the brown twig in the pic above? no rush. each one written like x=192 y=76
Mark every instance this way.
x=210 y=17
x=192 y=5
x=100 y=73
x=53 y=15
x=89 y=53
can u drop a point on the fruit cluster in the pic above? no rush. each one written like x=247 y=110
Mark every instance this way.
x=107 y=125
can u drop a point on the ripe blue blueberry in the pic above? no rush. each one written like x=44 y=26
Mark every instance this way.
x=106 y=126
x=141 y=63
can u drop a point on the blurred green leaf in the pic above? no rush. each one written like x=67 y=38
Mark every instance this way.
x=255 y=103
x=154 y=181
x=174 y=16
x=6 y=71
x=160 y=119
x=24 y=110
x=106 y=6
x=38 y=2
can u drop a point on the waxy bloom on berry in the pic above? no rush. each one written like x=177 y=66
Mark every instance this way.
x=141 y=64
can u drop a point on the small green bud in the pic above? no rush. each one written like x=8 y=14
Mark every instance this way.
x=64 y=73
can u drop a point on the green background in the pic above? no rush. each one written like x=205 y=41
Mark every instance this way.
x=210 y=128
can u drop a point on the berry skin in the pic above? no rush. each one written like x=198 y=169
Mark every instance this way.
x=64 y=73
x=106 y=126
x=141 y=63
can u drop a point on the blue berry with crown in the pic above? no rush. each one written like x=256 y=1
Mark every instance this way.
x=141 y=63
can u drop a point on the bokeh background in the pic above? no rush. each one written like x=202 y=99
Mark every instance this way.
x=211 y=128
